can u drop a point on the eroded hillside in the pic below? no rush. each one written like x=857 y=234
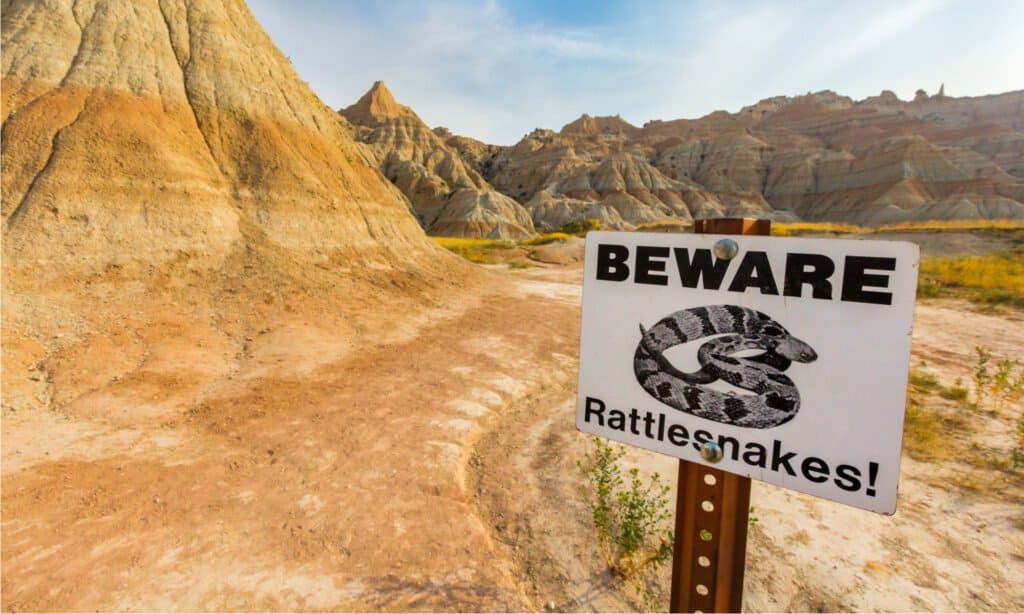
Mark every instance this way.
x=449 y=196
x=818 y=157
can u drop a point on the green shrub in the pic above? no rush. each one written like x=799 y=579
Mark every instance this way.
x=630 y=518
x=982 y=378
x=548 y=237
x=991 y=279
x=956 y=392
x=581 y=227
x=929 y=287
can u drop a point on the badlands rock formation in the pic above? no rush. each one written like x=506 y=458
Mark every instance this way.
x=821 y=157
x=448 y=195
x=140 y=131
x=151 y=147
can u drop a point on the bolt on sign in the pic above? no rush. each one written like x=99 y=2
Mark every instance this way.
x=785 y=358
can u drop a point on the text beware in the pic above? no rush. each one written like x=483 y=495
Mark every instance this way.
x=864 y=278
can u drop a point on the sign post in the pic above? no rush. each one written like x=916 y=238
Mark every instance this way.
x=780 y=359
x=712 y=509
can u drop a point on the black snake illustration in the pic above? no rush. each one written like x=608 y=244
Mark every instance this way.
x=776 y=399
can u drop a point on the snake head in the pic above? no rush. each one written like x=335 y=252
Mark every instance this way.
x=777 y=339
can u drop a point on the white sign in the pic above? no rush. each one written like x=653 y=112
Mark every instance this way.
x=791 y=356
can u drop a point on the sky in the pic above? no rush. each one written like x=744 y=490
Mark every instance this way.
x=496 y=69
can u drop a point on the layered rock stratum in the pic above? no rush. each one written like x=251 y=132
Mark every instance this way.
x=449 y=195
x=817 y=157
x=144 y=130
x=155 y=151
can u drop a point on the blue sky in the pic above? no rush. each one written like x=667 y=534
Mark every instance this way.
x=496 y=69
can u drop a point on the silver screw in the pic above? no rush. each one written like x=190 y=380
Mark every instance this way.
x=726 y=249
x=711 y=452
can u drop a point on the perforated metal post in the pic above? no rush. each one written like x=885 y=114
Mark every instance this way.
x=712 y=508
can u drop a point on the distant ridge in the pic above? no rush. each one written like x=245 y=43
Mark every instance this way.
x=821 y=156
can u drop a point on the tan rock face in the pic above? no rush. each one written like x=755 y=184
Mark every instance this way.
x=482 y=213
x=141 y=130
x=433 y=176
x=478 y=154
x=818 y=157
x=168 y=178
x=377 y=105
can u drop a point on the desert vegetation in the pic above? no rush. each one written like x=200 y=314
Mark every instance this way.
x=943 y=420
x=631 y=517
x=785 y=229
x=990 y=279
x=517 y=253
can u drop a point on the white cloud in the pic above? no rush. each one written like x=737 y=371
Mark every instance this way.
x=476 y=69
x=715 y=69
x=885 y=25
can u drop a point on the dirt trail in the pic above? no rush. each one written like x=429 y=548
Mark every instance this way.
x=308 y=475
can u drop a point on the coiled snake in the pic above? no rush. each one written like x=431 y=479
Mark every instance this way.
x=776 y=399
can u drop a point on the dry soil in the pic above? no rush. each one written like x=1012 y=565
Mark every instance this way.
x=429 y=465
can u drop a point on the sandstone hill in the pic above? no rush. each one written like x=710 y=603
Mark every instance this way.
x=158 y=151
x=448 y=195
x=210 y=396
x=818 y=157
x=143 y=130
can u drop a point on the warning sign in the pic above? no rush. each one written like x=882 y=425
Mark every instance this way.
x=787 y=357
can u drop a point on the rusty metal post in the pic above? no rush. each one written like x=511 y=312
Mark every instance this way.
x=712 y=508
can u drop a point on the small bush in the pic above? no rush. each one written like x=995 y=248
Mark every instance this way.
x=630 y=519
x=474 y=250
x=581 y=227
x=1007 y=382
x=1018 y=454
x=548 y=237
x=982 y=378
x=957 y=392
x=924 y=382
x=929 y=287
x=930 y=426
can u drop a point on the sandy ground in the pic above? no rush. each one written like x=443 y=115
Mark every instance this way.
x=429 y=468
x=946 y=548
x=298 y=473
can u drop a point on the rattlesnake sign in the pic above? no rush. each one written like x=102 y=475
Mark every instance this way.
x=791 y=355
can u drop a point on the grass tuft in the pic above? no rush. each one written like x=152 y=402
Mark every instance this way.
x=928 y=429
x=992 y=279
x=783 y=229
x=474 y=250
x=548 y=237
x=666 y=225
x=580 y=228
